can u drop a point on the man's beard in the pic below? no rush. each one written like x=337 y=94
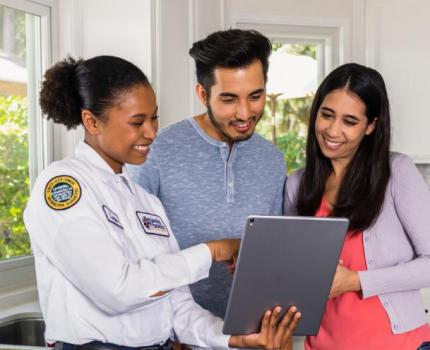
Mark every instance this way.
x=226 y=136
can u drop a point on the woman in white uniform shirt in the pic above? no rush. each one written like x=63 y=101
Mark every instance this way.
x=109 y=270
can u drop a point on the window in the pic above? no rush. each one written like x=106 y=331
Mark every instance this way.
x=292 y=82
x=25 y=139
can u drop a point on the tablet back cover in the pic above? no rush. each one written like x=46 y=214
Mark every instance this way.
x=284 y=261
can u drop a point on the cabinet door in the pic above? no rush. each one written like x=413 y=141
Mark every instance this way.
x=398 y=45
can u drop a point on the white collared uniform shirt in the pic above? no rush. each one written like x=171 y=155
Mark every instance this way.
x=101 y=257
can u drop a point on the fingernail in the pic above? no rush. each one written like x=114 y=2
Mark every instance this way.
x=293 y=309
x=298 y=315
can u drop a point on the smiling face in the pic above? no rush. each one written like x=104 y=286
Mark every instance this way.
x=126 y=130
x=341 y=125
x=236 y=102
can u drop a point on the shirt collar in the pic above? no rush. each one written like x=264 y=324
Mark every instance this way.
x=99 y=166
x=211 y=140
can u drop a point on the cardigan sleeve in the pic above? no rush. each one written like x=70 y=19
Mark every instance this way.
x=411 y=198
x=290 y=193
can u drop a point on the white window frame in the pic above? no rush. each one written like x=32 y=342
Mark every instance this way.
x=331 y=35
x=17 y=275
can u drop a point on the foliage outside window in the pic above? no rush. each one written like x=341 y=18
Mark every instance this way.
x=292 y=116
x=14 y=129
x=14 y=175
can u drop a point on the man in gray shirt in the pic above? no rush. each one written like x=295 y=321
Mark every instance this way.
x=211 y=171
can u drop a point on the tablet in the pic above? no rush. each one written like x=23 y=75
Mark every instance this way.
x=284 y=261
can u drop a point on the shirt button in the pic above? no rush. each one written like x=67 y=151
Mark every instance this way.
x=396 y=327
x=230 y=184
x=386 y=303
x=366 y=239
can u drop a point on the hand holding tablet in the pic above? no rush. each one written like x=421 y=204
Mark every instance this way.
x=274 y=333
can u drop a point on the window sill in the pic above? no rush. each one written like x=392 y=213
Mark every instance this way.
x=17 y=272
x=17 y=282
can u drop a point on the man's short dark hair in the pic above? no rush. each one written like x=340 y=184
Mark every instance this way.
x=233 y=48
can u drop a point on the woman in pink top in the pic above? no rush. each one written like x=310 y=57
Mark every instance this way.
x=374 y=299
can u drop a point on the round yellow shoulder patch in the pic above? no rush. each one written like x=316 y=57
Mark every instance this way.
x=62 y=192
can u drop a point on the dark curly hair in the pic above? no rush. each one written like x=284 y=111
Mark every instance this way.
x=94 y=84
x=233 y=48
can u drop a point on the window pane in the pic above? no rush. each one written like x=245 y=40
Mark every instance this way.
x=16 y=27
x=291 y=84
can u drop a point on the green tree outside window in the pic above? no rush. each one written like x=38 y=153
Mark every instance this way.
x=292 y=117
x=14 y=176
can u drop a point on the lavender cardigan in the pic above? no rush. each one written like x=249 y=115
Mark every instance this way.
x=396 y=246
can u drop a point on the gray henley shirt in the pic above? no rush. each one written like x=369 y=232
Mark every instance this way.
x=209 y=190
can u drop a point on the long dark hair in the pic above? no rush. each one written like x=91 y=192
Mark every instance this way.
x=362 y=190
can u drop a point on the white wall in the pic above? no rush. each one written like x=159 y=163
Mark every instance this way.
x=181 y=22
x=172 y=69
x=397 y=37
x=89 y=28
x=107 y=27
x=275 y=9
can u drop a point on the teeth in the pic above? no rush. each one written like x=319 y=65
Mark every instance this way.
x=140 y=148
x=242 y=125
x=333 y=144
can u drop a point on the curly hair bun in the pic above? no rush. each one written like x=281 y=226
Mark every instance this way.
x=59 y=98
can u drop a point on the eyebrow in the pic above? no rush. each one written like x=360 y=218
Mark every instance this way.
x=345 y=115
x=230 y=94
x=142 y=115
x=227 y=94
x=258 y=91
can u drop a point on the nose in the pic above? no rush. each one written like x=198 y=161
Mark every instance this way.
x=150 y=128
x=243 y=111
x=334 y=129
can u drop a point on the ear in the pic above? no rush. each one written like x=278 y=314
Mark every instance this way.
x=202 y=94
x=91 y=122
x=371 y=127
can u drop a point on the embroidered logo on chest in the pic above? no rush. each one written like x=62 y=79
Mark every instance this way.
x=152 y=224
x=112 y=217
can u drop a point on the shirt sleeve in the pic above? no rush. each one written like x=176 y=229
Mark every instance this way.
x=147 y=174
x=194 y=325
x=412 y=206
x=77 y=241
